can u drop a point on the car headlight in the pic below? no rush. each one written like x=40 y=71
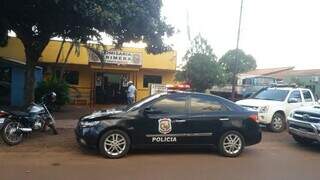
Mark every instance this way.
x=89 y=123
x=264 y=109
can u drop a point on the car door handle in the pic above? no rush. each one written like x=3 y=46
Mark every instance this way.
x=224 y=119
x=179 y=121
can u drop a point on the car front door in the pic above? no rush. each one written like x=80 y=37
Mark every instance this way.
x=294 y=101
x=206 y=117
x=163 y=121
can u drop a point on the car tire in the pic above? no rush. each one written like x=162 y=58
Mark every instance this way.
x=114 y=144
x=303 y=141
x=231 y=144
x=278 y=123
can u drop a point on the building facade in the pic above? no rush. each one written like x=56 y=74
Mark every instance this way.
x=100 y=78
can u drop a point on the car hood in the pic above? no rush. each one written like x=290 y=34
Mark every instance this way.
x=101 y=115
x=258 y=102
x=310 y=109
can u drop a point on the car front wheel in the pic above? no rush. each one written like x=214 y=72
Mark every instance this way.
x=278 y=123
x=114 y=144
x=231 y=144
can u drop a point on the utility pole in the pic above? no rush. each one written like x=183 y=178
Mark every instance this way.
x=235 y=68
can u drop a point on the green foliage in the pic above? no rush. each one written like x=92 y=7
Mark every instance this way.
x=201 y=70
x=35 y=22
x=53 y=85
x=245 y=62
x=200 y=45
x=124 y=21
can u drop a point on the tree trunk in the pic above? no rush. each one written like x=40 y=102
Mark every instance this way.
x=31 y=60
x=33 y=50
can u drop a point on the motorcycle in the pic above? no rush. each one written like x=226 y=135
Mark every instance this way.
x=13 y=125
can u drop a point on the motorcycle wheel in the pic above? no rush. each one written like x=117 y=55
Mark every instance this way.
x=10 y=133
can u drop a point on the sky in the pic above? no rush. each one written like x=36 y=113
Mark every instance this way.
x=278 y=33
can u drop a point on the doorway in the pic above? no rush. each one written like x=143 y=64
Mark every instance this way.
x=111 y=88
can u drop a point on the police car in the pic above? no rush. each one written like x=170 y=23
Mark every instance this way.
x=171 y=119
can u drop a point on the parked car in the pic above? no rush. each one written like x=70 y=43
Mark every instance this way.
x=175 y=119
x=274 y=104
x=304 y=124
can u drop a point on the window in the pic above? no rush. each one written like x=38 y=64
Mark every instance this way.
x=151 y=79
x=272 y=94
x=246 y=81
x=307 y=96
x=205 y=104
x=297 y=95
x=71 y=77
x=174 y=104
x=5 y=74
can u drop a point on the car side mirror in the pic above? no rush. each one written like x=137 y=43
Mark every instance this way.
x=293 y=100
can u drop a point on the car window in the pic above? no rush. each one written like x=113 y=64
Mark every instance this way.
x=307 y=96
x=296 y=94
x=205 y=104
x=271 y=94
x=174 y=104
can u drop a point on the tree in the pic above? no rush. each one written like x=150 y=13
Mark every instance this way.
x=201 y=69
x=245 y=63
x=35 y=22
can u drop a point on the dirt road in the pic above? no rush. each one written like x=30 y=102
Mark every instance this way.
x=44 y=156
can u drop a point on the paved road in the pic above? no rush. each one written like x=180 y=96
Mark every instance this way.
x=44 y=156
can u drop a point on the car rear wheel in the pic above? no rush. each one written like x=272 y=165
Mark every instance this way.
x=278 y=123
x=114 y=144
x=303 y=141
x=231 y=144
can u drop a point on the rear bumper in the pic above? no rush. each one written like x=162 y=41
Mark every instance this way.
x=304 y=129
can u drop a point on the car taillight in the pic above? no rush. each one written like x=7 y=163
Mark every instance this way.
x=253 y=117
x=2 y=113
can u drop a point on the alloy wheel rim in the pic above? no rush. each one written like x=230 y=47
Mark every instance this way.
x=232 y=144
x=277 y=123
x=11 y=132
x=115 y=144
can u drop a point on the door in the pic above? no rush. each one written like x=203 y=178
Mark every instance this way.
x=206 y=117
x=162 y=122
x=308 y=98
x=296 y=94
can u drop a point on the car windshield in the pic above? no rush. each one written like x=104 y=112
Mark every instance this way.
x=138 y=104
x=272 y=94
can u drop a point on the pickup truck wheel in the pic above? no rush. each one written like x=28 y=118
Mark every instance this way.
x=278 y=123
x=303 y=141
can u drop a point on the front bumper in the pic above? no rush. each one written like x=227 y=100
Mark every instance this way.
x=87 y=137
x=304 y=129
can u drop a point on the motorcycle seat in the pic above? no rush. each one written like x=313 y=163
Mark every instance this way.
x=20 y=113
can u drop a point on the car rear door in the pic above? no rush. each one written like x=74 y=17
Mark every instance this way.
x=293 y=105
x=308 y=98
x=206 y=118
x=162 y=122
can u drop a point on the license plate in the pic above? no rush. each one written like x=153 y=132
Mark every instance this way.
x=1 y=120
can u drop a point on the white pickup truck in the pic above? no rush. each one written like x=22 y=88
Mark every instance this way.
x=274 y=104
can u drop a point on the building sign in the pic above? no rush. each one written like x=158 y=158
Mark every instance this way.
x=157 y=88
x=117 y=57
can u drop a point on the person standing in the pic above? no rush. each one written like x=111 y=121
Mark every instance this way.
x=131 y=92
